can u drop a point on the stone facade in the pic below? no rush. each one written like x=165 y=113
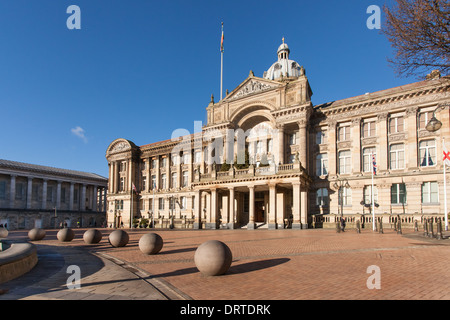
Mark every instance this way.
x=268 y=157
x=38 y=196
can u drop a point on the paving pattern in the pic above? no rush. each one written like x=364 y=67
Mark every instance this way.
x=267 y=265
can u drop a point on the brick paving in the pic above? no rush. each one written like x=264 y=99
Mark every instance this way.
x=267 y=265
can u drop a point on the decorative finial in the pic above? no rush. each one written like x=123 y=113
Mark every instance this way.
x=251 y=74
x=212 y=98
x=283 y=40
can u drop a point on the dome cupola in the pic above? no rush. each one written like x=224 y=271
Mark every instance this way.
x=284 y=67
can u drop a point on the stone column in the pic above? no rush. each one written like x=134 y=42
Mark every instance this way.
x=382 y=136
x=94 y=199
x=280 y=209
x=302 y=142
x=296 y=198
x=83 y=198
x=411 y=152
x=232 y=210
x=251 y=208
x=58 y=195
x=356 y=145
x=332 y=152
x=225 y=210
x=29 y=192
x=304 y=208
x=44 y=194
x=272 y=207
x=280 y=137
x=71 y=196
x=198 y=209
x=211 y=224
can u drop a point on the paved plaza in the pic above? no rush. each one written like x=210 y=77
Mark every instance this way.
x=267 y=265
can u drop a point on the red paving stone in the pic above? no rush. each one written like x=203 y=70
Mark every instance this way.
x=293 y=264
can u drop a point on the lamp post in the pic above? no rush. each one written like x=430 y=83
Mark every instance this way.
x=339 y=184
x=432 y=126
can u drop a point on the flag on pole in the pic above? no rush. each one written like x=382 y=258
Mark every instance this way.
x=374 y=165
x=134 y=188
x=221 y=40
x=446 y=156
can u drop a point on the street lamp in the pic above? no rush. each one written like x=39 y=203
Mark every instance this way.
x=432 y=126
x=338 y=185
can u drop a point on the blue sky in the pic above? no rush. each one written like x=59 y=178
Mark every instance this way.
x=139 y=69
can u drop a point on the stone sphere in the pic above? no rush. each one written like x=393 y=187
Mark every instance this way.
x=36 y=234
x=65 y=235
x=150 y=243
x=92 y=236
x=118 y=238
x=213 y=258
x=3 y=232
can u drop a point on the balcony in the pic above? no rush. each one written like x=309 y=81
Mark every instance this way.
x=252 y=171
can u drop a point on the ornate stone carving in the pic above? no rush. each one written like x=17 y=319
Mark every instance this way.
x=121 y=146
x=252 y=87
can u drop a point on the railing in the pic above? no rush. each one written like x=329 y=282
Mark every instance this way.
x=388 y=220
x=251 y=171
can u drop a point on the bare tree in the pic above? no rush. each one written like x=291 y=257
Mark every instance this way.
x=419 y=32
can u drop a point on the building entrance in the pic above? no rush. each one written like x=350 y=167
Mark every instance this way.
x=259 y=211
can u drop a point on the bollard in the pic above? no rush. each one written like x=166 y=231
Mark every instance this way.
x=425 y=228
x=358 y=226
x=431 y=233
x=439 y=235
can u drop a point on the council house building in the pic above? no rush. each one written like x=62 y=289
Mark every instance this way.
x=268 y=158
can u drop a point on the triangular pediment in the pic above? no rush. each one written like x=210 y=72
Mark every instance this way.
x=252 y=85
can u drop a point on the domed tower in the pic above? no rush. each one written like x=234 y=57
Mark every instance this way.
x=284 y=68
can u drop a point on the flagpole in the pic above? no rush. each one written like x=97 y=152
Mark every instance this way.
x=445 y=190
x=221 y=66
x=373 y=201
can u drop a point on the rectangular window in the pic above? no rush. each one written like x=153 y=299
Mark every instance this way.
x=19 y=191
x=427 y=153
x=344 y=162
x=398 y=193
x=174 y=179
x=397 y=156
x=292 y=139
x=161 y=203
x=345 y=196
x=322 y=164
x=198 y=157
x=163 y=181
x=163 y=162
x=396 y=124
x=153 y=182
x=321 y=137
x=2 y=190
x=49 y=194
x=122 y=184
x=368 y=129
x=322 y=197
x=368 y=194
x=183 y=202
x=144 y=183
x=153 y=163
x=424 y=117
x=430 y=192
x=185 y=179
x=270 y=145
x=186 y=158
x=63 y=195
x=175 y=159
x=367 y=158
x=344 y=133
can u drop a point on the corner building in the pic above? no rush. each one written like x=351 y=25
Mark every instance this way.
x=268 y=158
